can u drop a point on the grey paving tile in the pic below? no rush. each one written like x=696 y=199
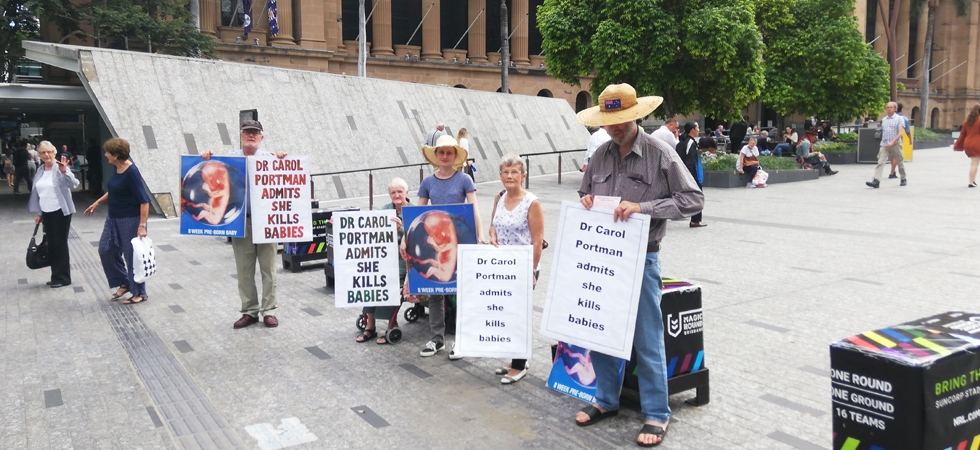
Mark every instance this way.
x=768 y=326
x=52 y=398
x=316 y=351
x=858 y=280
x=22 y=281
x=153 y=416
x=794 y=441
x=415 y=370
x=167 y=248
x=370 y=417
x=312 y=312
x=176 y=309
x=175 y=286
x=792 y=405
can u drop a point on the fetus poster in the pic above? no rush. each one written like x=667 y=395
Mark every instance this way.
x=573 y=375
x=280 y=193
x=213 y=196
x=432 y=235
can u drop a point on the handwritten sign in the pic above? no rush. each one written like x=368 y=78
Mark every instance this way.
x=595 y=279
x=279 y=189
x=493 y=307
x=365 y=252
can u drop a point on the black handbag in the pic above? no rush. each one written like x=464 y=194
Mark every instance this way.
x=37 y=254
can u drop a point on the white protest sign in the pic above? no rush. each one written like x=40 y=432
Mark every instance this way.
x=493 y=301
x=595 y=283
x=279 y=190
x=365 y=250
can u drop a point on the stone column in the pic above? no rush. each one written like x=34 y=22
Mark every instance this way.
x=210 y=17
x=518 y=43
x=284 y=18
x=308 y=19
x=431 y=31
x=478 y=34
x=381 y=29
x=260 y=24
x=333 y=32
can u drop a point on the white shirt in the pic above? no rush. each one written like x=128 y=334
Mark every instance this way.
x=748 y=152
x=664 y=134
x=465 y=143
x=598 y=138
x=47 y=193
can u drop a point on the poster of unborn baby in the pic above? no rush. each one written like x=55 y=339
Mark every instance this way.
x=432 y=235
x=213 y=196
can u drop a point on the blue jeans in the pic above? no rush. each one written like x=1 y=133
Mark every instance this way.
x=648 y=342
x=778 y=151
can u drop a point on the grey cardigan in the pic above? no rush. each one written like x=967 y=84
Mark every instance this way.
x=63 y=184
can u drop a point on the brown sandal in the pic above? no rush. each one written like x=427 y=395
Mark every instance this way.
x=119 y=293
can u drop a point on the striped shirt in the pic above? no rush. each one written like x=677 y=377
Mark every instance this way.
x=890 y=126
x=652 y=175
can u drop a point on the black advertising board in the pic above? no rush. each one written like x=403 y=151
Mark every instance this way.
x=911 y=386
x=683 y=331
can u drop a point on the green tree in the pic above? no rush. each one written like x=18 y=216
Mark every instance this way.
x=18 y=24
x=818 y=63
x=915 y=12
x=162 y=26
x=700 y=55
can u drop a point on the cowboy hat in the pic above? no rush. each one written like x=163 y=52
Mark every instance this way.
x=445 y=141
x=618 y=104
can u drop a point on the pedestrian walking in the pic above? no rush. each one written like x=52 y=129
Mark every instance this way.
x=247 y=252
x=891 y=145
x=51 y=200
x=666 y=191
x=969 y=142
x=435 y=134
x=689 y=152
x=668 y=132
x=22 y=171
x=129 y=206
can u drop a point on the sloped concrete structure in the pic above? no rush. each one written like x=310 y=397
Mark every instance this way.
x=169 y=106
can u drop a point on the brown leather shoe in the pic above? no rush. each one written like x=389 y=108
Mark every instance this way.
x=271 y=321
x=245 y=321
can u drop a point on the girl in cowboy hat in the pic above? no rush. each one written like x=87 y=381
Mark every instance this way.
x=446 y=186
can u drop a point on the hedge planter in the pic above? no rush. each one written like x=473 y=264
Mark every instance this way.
x=732 y=179
x=835 y=158
x=924 y=145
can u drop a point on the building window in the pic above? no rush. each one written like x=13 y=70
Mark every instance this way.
x=454 y=18
x=232 y=13
x=871 y=23
x=913 y=40
x=349 y=19
x=934 y=120
x=583 y=101
x=405 y=16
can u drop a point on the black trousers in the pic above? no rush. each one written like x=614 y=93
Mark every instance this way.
x=697 y=217
x=56 y=226
x=23 y=173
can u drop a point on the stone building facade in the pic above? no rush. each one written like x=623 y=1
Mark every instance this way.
x=954 y=78
x=408 y=40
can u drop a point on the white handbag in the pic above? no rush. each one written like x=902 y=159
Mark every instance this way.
x=144 y=262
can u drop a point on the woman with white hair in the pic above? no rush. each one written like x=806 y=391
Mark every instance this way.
x=51 y=200
x=517 y=219
x=398 y=192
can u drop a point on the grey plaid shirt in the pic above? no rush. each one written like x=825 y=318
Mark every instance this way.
x=652 y=175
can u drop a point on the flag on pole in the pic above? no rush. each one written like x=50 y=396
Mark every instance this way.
x=273 y=18
x=247 y=6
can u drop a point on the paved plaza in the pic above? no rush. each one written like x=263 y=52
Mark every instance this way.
x=784 y=270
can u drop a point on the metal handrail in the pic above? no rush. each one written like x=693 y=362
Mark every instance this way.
x=371 y=177
x=527 y=162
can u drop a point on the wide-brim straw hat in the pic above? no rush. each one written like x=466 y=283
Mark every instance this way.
x=618 y=104
x=445 y=141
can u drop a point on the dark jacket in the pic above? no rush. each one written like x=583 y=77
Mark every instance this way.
x=21 y=156
x=737 y=134
x=687 y=149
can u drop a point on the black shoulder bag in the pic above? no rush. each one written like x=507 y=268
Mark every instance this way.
x=37 y=254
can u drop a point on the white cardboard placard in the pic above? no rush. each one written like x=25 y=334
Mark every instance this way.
x=279 y=194
x=596 y=276
x=493 y=301
x=365 y=252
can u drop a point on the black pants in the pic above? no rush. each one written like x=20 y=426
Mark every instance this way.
x=23 y=173
x=750 y=172
x=56 y=226
x=697 y=217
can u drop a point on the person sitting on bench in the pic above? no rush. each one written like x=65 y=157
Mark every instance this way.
x=815 y=159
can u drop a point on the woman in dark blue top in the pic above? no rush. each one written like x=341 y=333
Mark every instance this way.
x=128 y=207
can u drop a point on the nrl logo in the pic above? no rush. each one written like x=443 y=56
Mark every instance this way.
x=687 y=319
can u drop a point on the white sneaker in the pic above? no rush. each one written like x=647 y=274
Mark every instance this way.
x=452 y=353
x=431 y=348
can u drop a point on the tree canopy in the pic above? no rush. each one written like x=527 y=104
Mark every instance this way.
x=818 y=63
x=719 y=56
x=18 y=24
x=163 y=26
x=700 y=55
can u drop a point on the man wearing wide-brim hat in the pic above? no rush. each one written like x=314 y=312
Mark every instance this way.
x=649 y=177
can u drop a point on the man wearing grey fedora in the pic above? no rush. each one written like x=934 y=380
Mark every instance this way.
x=649 y=178
x=247 y=253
